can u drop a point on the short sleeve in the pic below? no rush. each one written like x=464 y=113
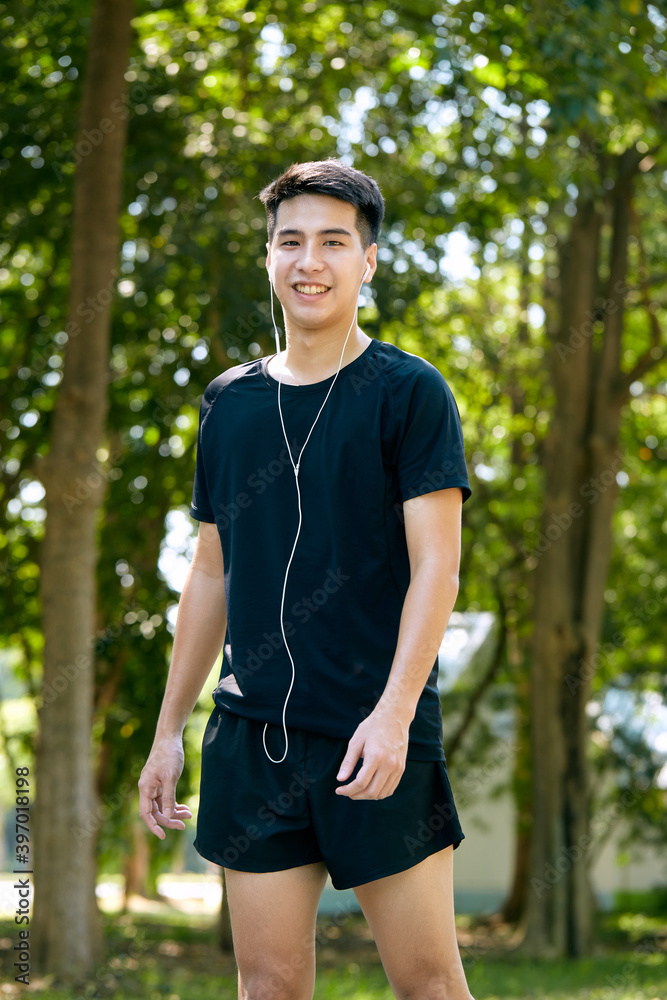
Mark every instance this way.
x=200 y=508
x=430 y=453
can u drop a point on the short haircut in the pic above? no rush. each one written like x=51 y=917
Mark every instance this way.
x=333 y=178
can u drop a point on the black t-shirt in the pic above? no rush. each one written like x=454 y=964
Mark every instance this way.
x=390 y=430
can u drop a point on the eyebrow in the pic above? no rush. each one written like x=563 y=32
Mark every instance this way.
x=321 y=232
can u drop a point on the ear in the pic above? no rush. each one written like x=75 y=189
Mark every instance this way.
x=371 y=262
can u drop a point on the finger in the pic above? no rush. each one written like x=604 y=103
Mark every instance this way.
x=168 y=798
x=175 y=820
x=145 y=805
x=160 y=819
x=392 y=782
x=380 y=786
x=371 y=791
x=388 y=789
x=153 y=803
x=361 y=782
x=375 y=790
x=182 y=811
x=349 y=760
x=169 y=822
x=146 y=814
x=150 y=789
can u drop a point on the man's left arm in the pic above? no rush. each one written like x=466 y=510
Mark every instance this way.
x=433 y=535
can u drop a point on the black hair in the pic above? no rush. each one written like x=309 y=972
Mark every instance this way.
x=333 y=178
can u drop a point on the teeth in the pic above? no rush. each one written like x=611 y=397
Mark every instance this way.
x=311 y=289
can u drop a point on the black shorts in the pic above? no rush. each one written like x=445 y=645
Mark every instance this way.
x=257 y=816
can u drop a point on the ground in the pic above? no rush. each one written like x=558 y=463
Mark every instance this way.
x=175 y=956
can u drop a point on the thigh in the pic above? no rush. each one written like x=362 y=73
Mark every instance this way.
x=273 y=916
x=411 y=916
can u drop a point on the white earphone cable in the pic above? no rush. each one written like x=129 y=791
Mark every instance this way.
x=296 y=479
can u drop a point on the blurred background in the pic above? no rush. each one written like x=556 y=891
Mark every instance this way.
x=520 y=149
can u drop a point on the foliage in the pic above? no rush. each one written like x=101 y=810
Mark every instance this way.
x=482 y=123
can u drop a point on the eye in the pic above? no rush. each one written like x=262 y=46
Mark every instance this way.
x=337 y=242
x=287 y=243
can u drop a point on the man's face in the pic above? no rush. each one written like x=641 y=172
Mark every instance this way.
x=316 y=260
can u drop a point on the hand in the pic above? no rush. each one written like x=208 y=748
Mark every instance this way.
x=157 y=788
x=382 y=741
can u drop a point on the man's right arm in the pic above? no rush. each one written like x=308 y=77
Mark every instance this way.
x=198 y=638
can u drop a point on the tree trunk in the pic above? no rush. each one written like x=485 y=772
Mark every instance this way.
x=137 y=863
x=67 y=935
x=571 y=562
x=514 y=906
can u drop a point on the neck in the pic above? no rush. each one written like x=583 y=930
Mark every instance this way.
x=317 y=355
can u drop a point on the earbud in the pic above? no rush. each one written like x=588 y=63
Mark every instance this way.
x=366 y=272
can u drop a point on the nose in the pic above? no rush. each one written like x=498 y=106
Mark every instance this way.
x=309 y=258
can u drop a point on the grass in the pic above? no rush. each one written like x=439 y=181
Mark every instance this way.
x=154 y=959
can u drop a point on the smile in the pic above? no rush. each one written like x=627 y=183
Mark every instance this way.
x=305 y=289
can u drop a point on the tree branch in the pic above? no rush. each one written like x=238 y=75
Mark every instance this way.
x=655 y=353
x=484 y=683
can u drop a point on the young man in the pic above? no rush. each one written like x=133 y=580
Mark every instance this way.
x=328 y=486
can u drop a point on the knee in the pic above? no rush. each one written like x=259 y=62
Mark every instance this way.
x=273 y=983
x=433 y=987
